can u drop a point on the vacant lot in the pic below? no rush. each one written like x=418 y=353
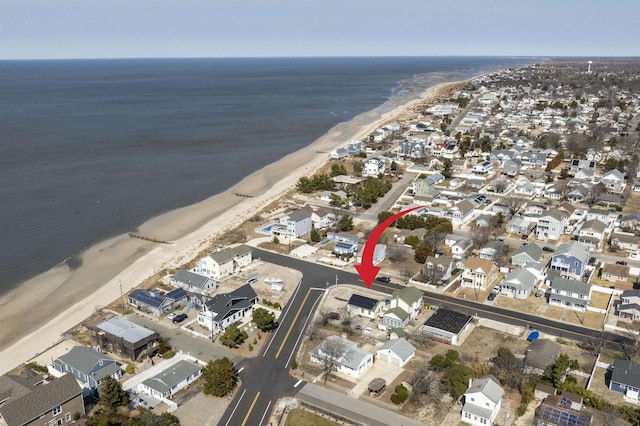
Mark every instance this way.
x=298 y=416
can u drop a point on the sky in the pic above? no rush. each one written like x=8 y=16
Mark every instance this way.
x=53 y=29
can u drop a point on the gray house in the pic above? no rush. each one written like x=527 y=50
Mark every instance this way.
x=192 y=282
x=568 y=293
x=88 y=366
x=153 y=302
x=526 y=253
x=518 y=283
x=570 y=260
x=171 y=380
x=511 y=167
x=225 y=309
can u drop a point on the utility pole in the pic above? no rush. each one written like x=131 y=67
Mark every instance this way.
x=121 y=293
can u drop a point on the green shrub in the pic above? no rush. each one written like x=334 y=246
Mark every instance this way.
x=168 y=354
x=401 y=395
x=130 y=369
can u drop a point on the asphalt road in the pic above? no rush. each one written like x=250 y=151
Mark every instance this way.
x=266 y=378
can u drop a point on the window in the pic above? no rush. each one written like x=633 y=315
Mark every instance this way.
x=57 y=410
x=67 y=417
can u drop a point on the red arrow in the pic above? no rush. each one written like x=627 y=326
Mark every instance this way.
x=367 y=269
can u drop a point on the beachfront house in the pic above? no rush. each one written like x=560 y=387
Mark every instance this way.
x=293 y=224
x=192 y=282
x=226 y=309
x=226 y=262
x=171 y=380
x=123 y=337
x=354 y=147
x=347 y=357
x=155 y=303
x=89 y=366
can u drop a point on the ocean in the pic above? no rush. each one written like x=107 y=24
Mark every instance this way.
x=90 y=149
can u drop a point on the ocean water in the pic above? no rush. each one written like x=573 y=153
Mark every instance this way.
x=90 y=149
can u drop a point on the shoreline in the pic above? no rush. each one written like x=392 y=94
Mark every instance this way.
x=37 y=312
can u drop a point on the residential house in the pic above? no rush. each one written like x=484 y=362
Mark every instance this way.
x=526 y=254
x=482 y=168
x=293 y=224
x=396 y=352
x=379 y=254
x=568 y=208
x=347 y=238
x=409 y=299
x=483 y=221
x=348 y=357
x=395 y=318
x=364 y=306
x=518 y=283
x=578 y=193
x=613 y=180
x=341 y=249
x=225 y=309
x=153 y=302
x=479 y=273
x=354 y=147
x=557 y=410
x=226 y=262
x=322 y=219
x=123 y=337
x=446 y=326
x=584 y=176
x=592 y=233
x=439 y=267
x=460 y=213
x=491 y=250
x=534 y=209
x=424 y=186
x=519 y=225
x=599 y=214
x=625 y=378
x=569 y=293
x=542 y=391
x=373 y=167
x=570 y=259
x=524 y=187
x=52 y=403
x=613 y=272
x=636 y=186
x=554 y=192
x=551 y=224
x=87 y=365
x=511 y=167
x=171 y=380
x=482 y=401
x=629 y=307
x=459 y=245
x=339 y=153
x=540 y=354
x=193 y=282
x=624 y=241
x=537 y=160
x=608 y=199
x=577 y=164
x=328 y=196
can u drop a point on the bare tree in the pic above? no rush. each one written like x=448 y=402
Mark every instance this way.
x=434 y=239
x=594 y=193
x=333 y=352
x=481 y=236
x=431 y=275
x=500 y=185
x=513 y=204
x=397 y=254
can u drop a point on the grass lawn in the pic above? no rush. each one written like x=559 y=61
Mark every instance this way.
x=299 y=416
x=600 y=300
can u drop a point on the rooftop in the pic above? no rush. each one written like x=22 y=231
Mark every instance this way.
x=451 y=321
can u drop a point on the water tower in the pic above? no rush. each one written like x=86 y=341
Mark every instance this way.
x=589 y=69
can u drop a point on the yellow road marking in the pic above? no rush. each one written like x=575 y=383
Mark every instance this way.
x=244 y=422
x=286 y=336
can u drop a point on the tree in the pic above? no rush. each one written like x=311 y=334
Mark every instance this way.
x=594 y=193
x=400 y=395
x=422 y=251
x=233 y=337
x=382 y=216
x=333 y=350
x=555 y=373
x=220 y=377
x=513 y=204
x=442 y=362
x=265 y=320
x=314 y=235
x=358 y=167
x=338 y=169
x=412 y=240
x=507 y=368
x=147 y=418
x=446 y=168
x=112 y=395
x=456 y=379
x=345 y=223
x=163 y=346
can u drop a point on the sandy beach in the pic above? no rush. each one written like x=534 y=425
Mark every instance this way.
x=35 y=314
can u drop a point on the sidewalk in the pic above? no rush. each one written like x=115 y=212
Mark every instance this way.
x=351 y=408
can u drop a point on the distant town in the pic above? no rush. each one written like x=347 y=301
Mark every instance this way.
x=510 y=295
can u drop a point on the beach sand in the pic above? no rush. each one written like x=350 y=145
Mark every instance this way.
x=35 y=314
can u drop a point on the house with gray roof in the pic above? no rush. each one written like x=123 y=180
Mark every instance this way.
x=348 y=357
x=123 y=337
x=519 y=225
x=396 y=352
x=569 y=293
x=629 y=307
x=511 y=167
x=460 y=213
x=570 y=260
x=87 y=365
x=524 y=187
x=551 y=224
x=518 y=283
x=482 y=401
x=225 y=309
x=171 y=380
x=50 y=403
x=592 y=233
x=625 y=378
x=540 y=354
x=193 y=282
x=526 y=253
x=459 y=245
x=155 y=303
x=226 y=262
x=625 y=241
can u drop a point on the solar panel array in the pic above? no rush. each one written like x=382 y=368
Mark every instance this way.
x=564 y=417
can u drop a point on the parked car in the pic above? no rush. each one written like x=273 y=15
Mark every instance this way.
x=525 y=237
x=179 y=318
x=171 y=316
x=333 y=316
x=496 y=289
x=492 y=296
x=621 y=262
x=549 y=249
x=592 y=261
x=384 y=279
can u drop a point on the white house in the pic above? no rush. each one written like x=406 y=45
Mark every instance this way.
x=396 y=352
x=373 y=167
x=364 y=306
x=339 y=153
x=482 y=401
x=293 y=224
x=171 y=380
x=479 y=273
x=482 y=168
x=225 y=309
x=613 y=180
x=592 y=232
x=459 y=245
x=224 y=263
x=551 y=225
x=460 y=213
x=568 y=293
x=349 y=359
